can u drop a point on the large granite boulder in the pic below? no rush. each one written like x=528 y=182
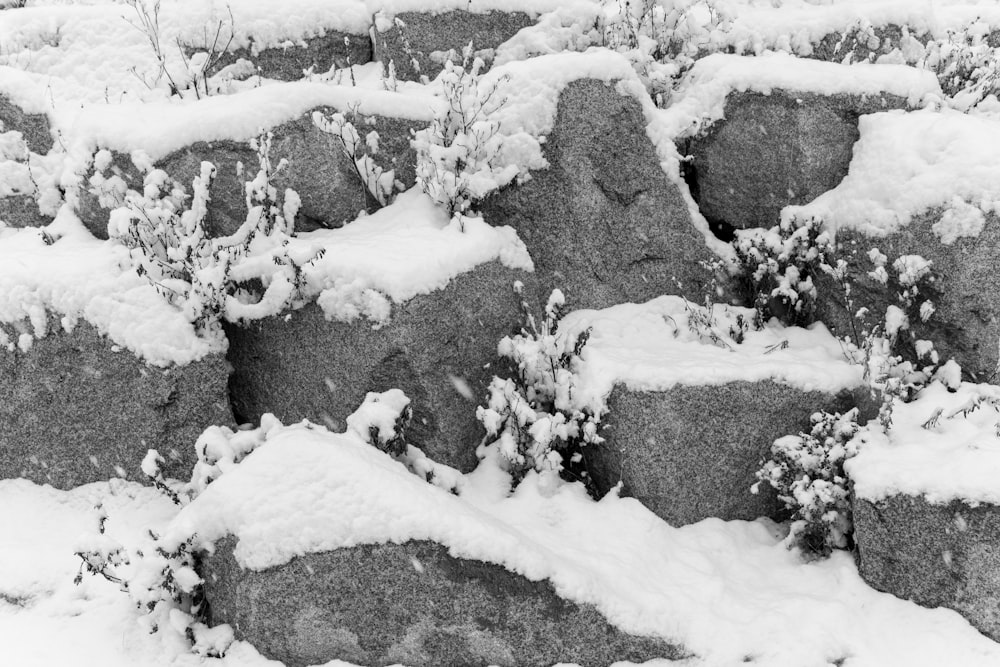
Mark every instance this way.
x=937 y=555
x=417 y=43
x=691 y=452
x=438 y=348
x=773 y=150
x=76 y=409
x=962 y=285
x=412 y=604
x=330 y=189
x=34 y=126
x=603 y=222
x=22 y=211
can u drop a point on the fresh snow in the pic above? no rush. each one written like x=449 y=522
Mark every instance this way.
x=944 y=446
x=726 y=590
x=907 y=163
x=656 y=346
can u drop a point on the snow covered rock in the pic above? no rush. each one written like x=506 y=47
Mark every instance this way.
x=788 y=130
x=74 y=409
x=921 y=186
x=603 y=222
x=330 y=189
x=438 y=347
x=34 y=126
x=688 y=413
x=290 y=60
x=22 y=211
x=926 y=503
x=412 y=603
x=417 y=43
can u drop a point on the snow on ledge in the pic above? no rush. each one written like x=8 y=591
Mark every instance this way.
x=79 y=277
x=701 y=98
x=160 y=128
x=533 y=8
x=907 y=163
x=957 y=457
x=651 y=347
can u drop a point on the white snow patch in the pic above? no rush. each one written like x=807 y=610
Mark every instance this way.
x=955 y=457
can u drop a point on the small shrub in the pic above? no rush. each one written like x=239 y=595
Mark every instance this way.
x=531 y=415
x=378 y=184
x=807 y=470
x=206 y=277
x=457 y=155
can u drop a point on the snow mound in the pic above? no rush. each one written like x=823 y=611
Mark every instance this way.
x=78 y=277
x=944 y=446
x=907 y=163
x=657 y=345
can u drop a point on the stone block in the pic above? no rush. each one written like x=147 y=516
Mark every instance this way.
x=75 y=410
x=937 y=555
x=333 y=49
x=417 y=42
x=22 y=211
x=775 y=150
x=690 y=452
x=603 y=222
x=34 y=127
x=302 y=366
x=411 y=604
x=963 y=286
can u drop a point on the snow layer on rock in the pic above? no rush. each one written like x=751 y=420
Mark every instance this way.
x=164 y=127
x=700 y=100
x=401 y=251
x=944 y=446
x=907 y=163
x=722 y=590
x=655 y=346
x=78 y=277
x=530 y=7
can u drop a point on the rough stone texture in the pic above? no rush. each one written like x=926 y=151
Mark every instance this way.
x=334 y=49
x=691 y=452
x=22 y=211
x=966 y=322
x=423 y=34
x=324 y=178
x=370 y=605
x=603 y=223
x=301 y=366
x=863 y=45
x=935 y=555
x=35 y=127
x=775 y=150
x=73 y=411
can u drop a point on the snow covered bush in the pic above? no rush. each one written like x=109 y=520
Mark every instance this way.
x=382 y=419
x=457 y=156
x=208 y=278
x=378 y=184
x=776 y=268
x=807 y=470
x=531 y=416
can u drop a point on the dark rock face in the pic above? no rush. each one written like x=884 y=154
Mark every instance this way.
x=963 y=288
x=691 y=452
x=22 y=211
x=35 y=127
x=603 y=223
x=334 y=49
x=301 y=366
x=935 y=555
x=415 y=36
x=863 y=45
x=411 y=604
x=72 y=411
x=331 y=191
x=775 y=150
